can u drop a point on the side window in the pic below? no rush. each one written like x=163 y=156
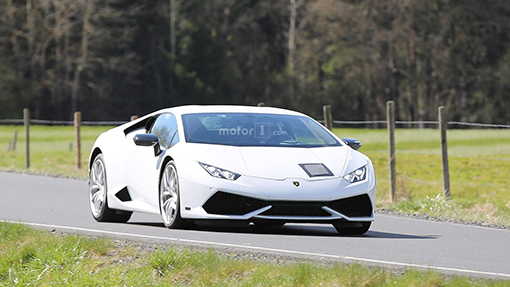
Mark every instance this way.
x=165 y=128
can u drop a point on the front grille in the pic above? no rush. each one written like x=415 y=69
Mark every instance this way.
x=231 y=204
x=289 y=208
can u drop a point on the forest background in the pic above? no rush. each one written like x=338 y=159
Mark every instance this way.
x=114 y=58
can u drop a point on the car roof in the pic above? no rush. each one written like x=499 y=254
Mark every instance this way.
x=195 y=109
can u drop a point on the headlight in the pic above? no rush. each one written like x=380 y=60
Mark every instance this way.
x=219 y=172
x=358 y=175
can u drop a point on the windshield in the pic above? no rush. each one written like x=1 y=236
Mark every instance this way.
x=247 y=129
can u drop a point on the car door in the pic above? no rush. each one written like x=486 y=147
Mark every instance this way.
x=145 y=162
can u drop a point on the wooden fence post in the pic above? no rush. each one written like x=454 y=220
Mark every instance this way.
x=444 y=152
x=26 y=122
x=328 y=118
x=15 y=140
x=77 y=127
x=390 y=115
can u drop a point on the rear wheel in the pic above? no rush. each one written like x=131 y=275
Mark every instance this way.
x=169 y=201
x=352 y=228
x=98 y=195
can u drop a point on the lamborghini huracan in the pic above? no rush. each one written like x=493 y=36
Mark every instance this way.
x=259 y=165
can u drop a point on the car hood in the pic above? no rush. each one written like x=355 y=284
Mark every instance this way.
x=278 y=163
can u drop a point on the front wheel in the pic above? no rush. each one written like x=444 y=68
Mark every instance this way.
x=98 y=195
x=169 y=201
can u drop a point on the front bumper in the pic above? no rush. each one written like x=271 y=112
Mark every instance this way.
x=249 y=198
x=357 y=207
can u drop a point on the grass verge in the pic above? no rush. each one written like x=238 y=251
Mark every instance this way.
x=40 y=258
x=479 y=163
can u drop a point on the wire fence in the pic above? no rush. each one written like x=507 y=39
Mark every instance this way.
x=419 y=123
x=336 y=123
x=443 y=125
x=61 y=123
x=357 y=123
x=450 y=123
x=449 y=154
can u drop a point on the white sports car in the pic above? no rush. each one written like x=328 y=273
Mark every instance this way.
x=267 y=166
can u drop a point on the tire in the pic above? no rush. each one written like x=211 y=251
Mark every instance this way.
x=169 y=198
x=355 y=228
x=98 y=195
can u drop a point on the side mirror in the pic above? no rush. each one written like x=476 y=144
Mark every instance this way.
x=148 y=140
x=353 y=143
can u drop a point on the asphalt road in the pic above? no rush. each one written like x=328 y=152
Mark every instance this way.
x=62 y=204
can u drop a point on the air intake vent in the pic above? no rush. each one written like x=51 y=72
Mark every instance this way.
x=231 y=204
x=123 y=195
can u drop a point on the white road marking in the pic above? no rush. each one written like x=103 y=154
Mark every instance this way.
x=356 y=259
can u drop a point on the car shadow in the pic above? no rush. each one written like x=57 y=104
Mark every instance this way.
x=155 y=224
x=388 y=235
x=288 y=230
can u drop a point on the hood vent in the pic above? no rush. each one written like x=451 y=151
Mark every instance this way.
x=316 y=169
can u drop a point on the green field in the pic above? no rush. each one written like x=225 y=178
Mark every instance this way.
x=479 y=166
x=49 y=149
x=29 y=257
